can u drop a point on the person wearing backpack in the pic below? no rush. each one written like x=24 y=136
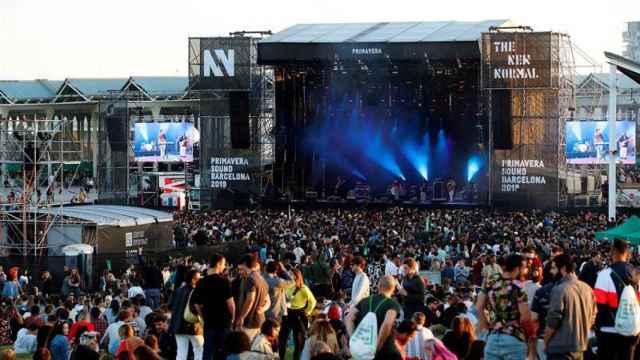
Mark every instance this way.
x=381 y=311
x=610 y=283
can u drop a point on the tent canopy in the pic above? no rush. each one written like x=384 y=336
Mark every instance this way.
x=629 y=230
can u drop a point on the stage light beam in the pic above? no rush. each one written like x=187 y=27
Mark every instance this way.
x=473 y=166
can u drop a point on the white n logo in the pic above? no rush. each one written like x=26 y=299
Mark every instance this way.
x=226 y=60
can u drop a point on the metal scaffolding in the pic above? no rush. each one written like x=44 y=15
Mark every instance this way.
x=33 y=198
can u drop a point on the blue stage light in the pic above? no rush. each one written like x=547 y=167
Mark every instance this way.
x=473 y=166
x=359 y=175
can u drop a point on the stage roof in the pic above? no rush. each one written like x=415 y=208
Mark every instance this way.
x=388 y=32
x=382 y=41
x=111 y=215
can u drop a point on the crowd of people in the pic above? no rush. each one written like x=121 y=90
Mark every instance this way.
x=394 y=283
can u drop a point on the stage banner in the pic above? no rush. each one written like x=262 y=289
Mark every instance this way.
x=237 y=173
x=528 y=174
x=221 y=63
x=519 y=60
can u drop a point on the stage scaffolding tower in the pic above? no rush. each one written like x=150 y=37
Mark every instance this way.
x=33 y=202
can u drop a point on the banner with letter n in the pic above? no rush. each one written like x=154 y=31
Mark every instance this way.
x=221 y=63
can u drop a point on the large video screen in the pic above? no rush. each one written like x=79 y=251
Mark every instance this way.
x=164 y=142
x=588 y=142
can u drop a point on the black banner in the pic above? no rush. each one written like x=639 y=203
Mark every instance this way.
x=237 y=173
x=518 y=60
x=221 y=63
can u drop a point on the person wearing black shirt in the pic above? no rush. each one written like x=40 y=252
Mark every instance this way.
x=214 y=301
x=152 y=277
x=590 y=269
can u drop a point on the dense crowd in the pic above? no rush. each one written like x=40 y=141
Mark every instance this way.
x=394 y=283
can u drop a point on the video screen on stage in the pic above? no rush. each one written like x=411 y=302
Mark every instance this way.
x=588 y=142
x=164 y=141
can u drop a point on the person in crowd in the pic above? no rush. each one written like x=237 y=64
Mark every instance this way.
x=506 y=304
x=237 y=345
x=322 y=331
x=360 y=288
x=186 y=332
x=26 y=341
x=607 y=291
x=111 y=313
x=387 y=311
x=253 y=300
x=145 y=352
x=82 y=323
x=461 y=337
x=160 y=329
x=268 y=337
x=415 y=349
x=279 y=281
x=75 y=283
x=571 y=313
x=491 y=268
x=404 y=332
x=214 y=301
x=152 y=279
x=128 y=341
x=59 y=345
x=111 y=338
x=87 y=347
x=555 y=251
x=152 y=342
x=412 y=289
x=11 y=287
x=590 y=268
x=301 y=304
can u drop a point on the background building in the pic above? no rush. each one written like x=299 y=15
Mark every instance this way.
x=631 y=39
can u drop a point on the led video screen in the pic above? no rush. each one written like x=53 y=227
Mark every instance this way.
x=588 y=142
x=164 y=142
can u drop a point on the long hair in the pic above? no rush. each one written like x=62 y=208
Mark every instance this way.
x=322 y=329
x=461 y=325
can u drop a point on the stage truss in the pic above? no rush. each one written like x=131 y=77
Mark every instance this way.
x=34 y=201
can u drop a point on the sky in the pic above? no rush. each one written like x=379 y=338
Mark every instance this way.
x=48 y=39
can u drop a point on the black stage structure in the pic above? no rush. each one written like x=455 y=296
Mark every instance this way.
x=416 y=83
x=361 y=108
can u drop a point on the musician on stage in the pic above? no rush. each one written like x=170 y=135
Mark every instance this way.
x=396 y=189
x=162 y=144
x=623 y=145
x=598 y=142
x=423 y=191
x=451 y=189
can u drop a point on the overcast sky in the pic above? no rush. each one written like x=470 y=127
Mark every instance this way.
x=56 y=39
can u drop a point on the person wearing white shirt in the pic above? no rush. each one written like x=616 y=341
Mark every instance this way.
x=26 y=340
x=135 y=290
x=360 y=289
x=299 y=253
x=392 y=267
x=415 y=348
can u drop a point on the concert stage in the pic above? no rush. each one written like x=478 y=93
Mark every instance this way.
x=395 y=107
